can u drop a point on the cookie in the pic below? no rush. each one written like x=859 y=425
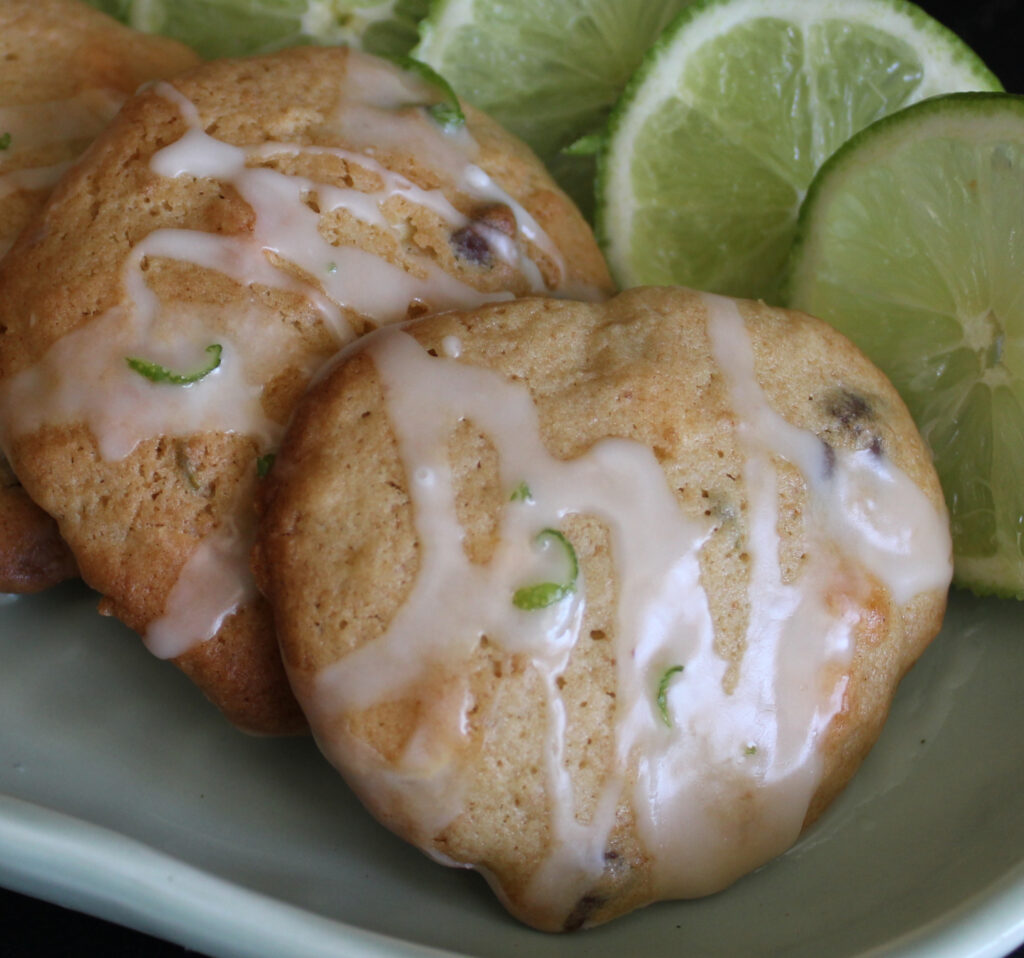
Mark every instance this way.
x=65 y=69
x=33 y=556
x=227 y=233
x=605 y=600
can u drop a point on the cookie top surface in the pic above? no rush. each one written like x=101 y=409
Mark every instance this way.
x=228 y=232
x=65 y=69
x=606 y=600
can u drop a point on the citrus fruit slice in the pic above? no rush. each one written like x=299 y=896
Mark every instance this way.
x=911 y=241
x=221 y=28
x=714 y=143
x=549 y=72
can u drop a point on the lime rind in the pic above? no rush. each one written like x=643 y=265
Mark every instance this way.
x=928 y=283
x=664 y=77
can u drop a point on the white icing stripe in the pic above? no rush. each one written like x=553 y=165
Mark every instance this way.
x=723 y=787
x=120 y=406
x=214 y=582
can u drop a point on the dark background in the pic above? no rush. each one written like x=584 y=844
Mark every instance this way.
x=994 y=28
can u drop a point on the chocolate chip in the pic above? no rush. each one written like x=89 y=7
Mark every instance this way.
x=471 y=246
x=849 y=408
x=582 y=911
x=471 y=241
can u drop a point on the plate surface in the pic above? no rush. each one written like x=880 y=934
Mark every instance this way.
x=123 y=793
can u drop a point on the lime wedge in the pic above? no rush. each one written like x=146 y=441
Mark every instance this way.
x=222 y=28
x=911 y=241
x=716 y=139
x=547 y=71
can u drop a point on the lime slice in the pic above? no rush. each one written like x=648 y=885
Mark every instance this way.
x=549 y=71
x=911 y=241
x=731 y=114
x=222 y=28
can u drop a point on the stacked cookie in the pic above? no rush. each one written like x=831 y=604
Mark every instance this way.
x=223 y=237
x=604 y=597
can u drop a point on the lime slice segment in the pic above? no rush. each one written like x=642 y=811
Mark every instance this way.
x=911 y=242
x=549 y=71
x=716 y=139
x=222 y=28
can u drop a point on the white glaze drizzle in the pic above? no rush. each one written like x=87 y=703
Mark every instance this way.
x=726 y=786
x=84 y=377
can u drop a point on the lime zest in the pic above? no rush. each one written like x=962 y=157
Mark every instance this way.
x=156 y=373
x=662 y=697
x=530 y=598
x=5 y=141
x=264 y=464
x=448 y=112
x=185 y=465
x=590 y=144
x=521 y=493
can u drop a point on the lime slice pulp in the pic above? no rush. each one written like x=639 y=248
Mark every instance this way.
x=716 y=139
x=911 y=242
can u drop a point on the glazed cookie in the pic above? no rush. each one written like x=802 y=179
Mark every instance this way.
x=65 y=69
x=605 y=600
x=226 y=234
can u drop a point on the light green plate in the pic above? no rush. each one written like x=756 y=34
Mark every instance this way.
x=122 y=793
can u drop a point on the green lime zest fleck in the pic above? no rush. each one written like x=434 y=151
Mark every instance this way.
x=264 y=465
x=750 y=750
x=185 y=464
x=521 y=493
x=530 y=598
x=662 y=698
x=332 y=267
x=5 y=141
x=590 y=144
x=447 y=116
x=161 y=374
x=447 y=112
